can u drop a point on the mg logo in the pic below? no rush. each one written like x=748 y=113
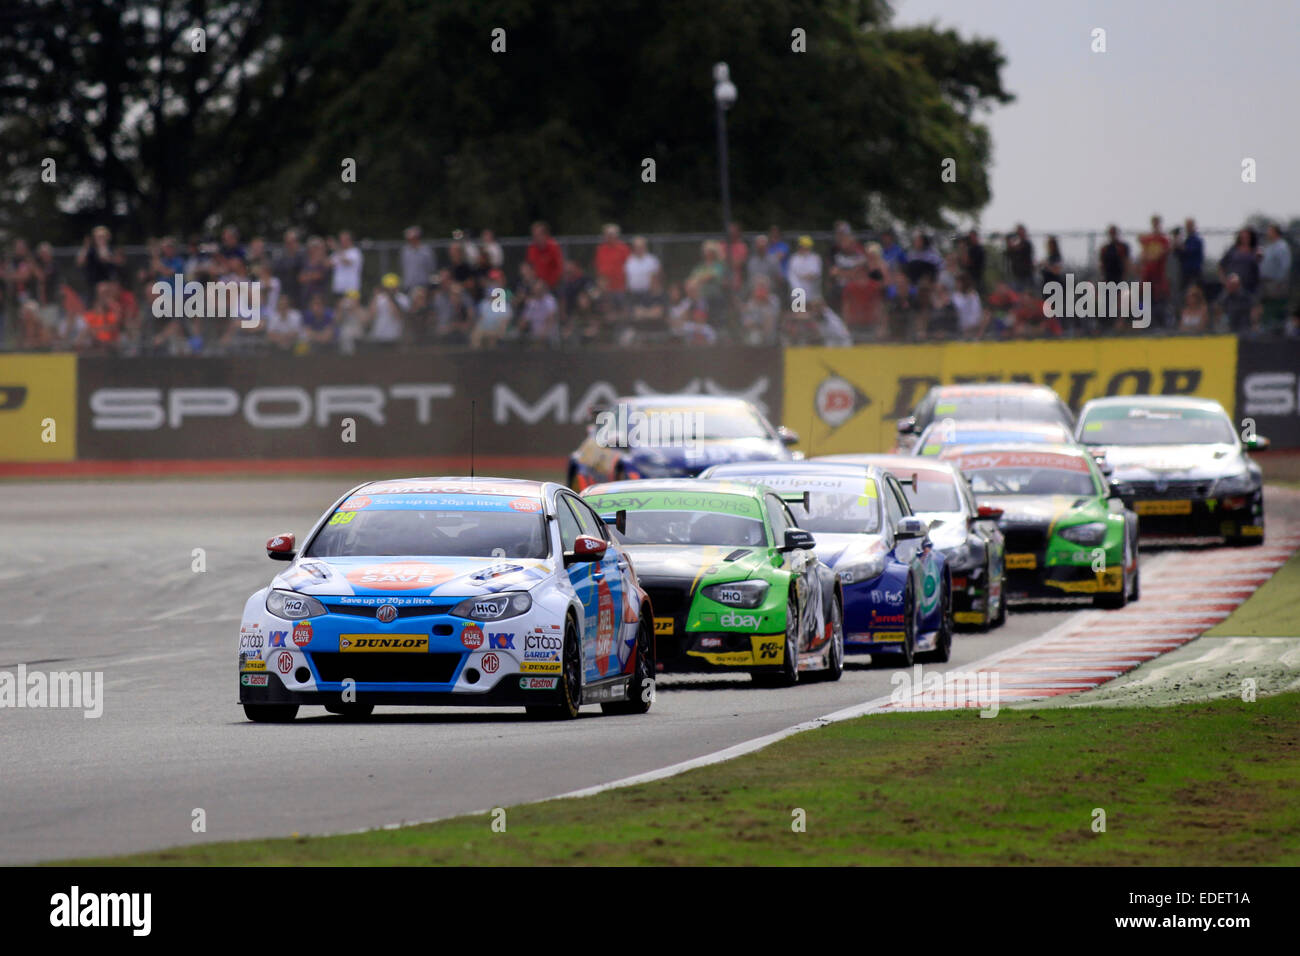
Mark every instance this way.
x=386 y=614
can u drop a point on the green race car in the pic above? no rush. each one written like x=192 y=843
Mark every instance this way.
x=1067 y=531
x=734 y=581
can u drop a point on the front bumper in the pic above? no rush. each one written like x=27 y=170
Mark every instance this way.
x=1208 y=517
x=424 y=656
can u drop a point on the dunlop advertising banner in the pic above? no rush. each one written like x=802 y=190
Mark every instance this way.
x=38 y=408
x=850 y=399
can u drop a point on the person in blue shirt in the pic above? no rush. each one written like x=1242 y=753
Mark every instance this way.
x=1191 y=255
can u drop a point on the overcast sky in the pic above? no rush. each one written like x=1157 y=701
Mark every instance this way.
x=1158 y=123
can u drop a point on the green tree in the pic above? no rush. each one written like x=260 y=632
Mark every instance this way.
x=446 y=132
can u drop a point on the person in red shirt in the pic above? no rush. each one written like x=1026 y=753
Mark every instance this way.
x=737 y=255
x=1154 y=249
x=611 y=256
x=544 y=256
x=861 y=303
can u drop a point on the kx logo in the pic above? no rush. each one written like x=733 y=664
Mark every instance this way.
x=767 y=650
x=277 y=638
x=502 y=642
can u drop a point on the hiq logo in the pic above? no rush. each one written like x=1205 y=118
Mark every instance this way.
x=278 y=638
x=501 y=642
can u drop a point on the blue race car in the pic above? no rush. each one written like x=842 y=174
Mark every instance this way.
x=945 y=433
x=673 y=436
x=461 y=591
x=896 y=584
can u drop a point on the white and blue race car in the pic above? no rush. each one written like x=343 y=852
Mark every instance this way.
x=460 y=591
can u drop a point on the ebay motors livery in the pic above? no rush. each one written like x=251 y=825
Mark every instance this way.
x=1067 y=532
x=460 y=591
x=897 y=594
x=987 y=401
x=965 y=532
x=1179 y=463
x=734 y=581
x=670 y=436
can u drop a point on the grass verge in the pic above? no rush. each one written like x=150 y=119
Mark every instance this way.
x=1198 y=784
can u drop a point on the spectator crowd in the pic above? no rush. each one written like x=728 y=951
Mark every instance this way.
x=752 y=289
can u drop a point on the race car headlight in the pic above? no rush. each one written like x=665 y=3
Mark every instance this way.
x=1091 y=533
x=292 y=606
x=493 y=607
x=1242 y=484
x=738 y=593
x=861 y=570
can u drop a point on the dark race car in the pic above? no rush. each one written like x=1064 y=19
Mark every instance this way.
x=1180 y=465
x=673 y=436
x=1067 y=533
x=897 y=592
x=994 y=401
x=966 y=532
x=735 y=583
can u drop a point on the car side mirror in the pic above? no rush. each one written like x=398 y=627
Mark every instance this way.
x=1114 y=490
x=618 y=519
x=283 y=547
x=907 y=426
x=586 y=547
x=910 y=528
x=988 y=513
x=1257 y=443
x=787 y=436
x=797 y=539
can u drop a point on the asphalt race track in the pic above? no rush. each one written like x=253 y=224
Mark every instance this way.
x=100 y=577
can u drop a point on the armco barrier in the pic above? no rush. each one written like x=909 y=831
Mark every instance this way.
x=410 y=404
x=1268 y=389
x=850 y=399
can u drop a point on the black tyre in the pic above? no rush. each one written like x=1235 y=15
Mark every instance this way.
x=836 y=659
x=271 y=713
x=570 y=699
x=1113 y=602
x=788 y=675
x=943 y=640
x=1002 y=604
x=351 y=711
x=641 y=688
x=907 y=654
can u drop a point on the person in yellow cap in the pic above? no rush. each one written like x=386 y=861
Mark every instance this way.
x=805 y=275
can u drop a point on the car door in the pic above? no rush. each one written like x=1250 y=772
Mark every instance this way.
x=601 y=594
x=578 y=573
x=612 y=575
x=800 y=563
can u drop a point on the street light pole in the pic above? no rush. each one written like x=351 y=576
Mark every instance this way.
x=724 y=95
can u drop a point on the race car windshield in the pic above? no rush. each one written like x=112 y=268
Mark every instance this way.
x=933 y=491
x=682 y=426
x=1142 y=426
x=995 y=407
x=465 y=534
x=1031 y=481
x=692 y=527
